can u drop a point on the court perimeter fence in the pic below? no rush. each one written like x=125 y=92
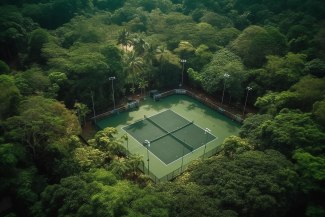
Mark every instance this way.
x=158 y=96
x=204 y=100
x=172 y=175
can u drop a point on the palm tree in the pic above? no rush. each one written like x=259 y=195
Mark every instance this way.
x=142 y=85
x=139 y=44
x=124 y=39
x=161 y=55
x=134 y=65
x=81 y=110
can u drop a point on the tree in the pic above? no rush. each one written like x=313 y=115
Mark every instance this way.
x=140 y=45
x=88 y=158
x=255 y=43
x=106 y=141
x=37 y=39
x=290 y=130
x=235 y=145
x=311 y=170
x=185 y=50
x=216 y=20
x=98 y=193
x=134 y=65
x=213 y=79
x=124 y=39
x=315 y=67
x=14 y=30
x=142 y=85
x=19 y=179
x=32 y=81
x=9 y=96
x=161 y=55
x=308 y=96
x=319 y=112
x=254 y=183
x=36 y=114
x=252 y=127
x=282 y=72
x=273 y=102
x=190 y=199
x=81 y=110
x=4 y=68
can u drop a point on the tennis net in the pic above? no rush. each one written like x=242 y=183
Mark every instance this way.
x=171 y=133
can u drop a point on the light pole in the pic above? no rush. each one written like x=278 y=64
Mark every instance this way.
x=248 y=89
x=224 y=85
x=112 y=79
x=92 y=100
x=183 y=61
x=147 y=142
x=206 y=131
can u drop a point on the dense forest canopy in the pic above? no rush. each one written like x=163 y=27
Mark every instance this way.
x=56 y=57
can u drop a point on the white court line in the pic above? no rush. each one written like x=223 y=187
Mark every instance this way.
x=191 y=152
x=142 y=146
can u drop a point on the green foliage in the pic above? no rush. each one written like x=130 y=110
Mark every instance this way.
x=87 y=67
x=235 y=145
x=140 y=42
x=312 y=170
x=273 y=102
x=213 y=75
x=226 y=35
x=319 y=112
x=315 y=211
x=14 y=30
x=36 y=114
x=255 y=43
x=37 y=39
x=52 y=14
x=32 y=81
x=216 y=20
x=4 y=68
x=108 y=4
x=315 y=67
x=252 y=127
x=282 y=72
x=10 y=155
x=291 y=130
x=190 y=199
x=9 y=96
x=98 y=193
x=253 y=183
x=307 y=95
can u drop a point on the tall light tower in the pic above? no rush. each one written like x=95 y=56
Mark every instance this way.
x=206 y=131
x=248 y=89
x=112 y=79
x=224 y=86
x=183 y=61
x=147 y=142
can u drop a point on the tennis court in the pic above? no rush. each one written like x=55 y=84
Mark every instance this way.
x=155 y=121
x=170 y=135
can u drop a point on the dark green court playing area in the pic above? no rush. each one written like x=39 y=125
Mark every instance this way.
x=170 y=135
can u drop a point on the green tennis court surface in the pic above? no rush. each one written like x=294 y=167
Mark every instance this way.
x=170 y=135
x=165 y=154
